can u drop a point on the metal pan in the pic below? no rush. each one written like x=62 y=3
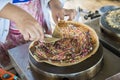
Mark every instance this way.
x=107 y=28
x=87 y=68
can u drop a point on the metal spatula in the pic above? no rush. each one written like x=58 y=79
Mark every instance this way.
x=50 y=40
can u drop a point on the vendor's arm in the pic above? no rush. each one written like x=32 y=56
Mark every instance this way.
x=27 y=25
x=59 y=12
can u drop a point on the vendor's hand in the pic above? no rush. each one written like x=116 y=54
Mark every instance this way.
x=30 y=29
x=28 y=26
x=59 y=13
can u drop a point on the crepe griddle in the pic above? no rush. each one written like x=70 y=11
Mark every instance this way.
x=42 y=67
x=105 y=27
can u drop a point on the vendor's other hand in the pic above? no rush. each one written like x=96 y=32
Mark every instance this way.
x=58 y=12
x=61 y=13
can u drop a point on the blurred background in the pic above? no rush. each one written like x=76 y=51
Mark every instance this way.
x=90 y=4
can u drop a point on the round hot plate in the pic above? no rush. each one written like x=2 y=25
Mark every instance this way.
x=107 y=29
x=81 y=71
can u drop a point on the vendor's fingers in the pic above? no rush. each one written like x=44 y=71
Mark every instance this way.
x=71 y=13
x=41 y=35
x=34 y=34
x=58 y=16
x=55 y=18
x=25 y=34
x=61 y=15
x=28 y=33
x=39 y=32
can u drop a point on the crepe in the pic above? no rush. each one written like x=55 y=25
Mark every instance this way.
x=78 y=42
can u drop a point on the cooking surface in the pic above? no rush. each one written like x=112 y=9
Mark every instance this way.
x=105 y=23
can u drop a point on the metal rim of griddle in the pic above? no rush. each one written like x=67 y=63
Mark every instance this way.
x=106 y=8
x=107 y=28
x=90 y=66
